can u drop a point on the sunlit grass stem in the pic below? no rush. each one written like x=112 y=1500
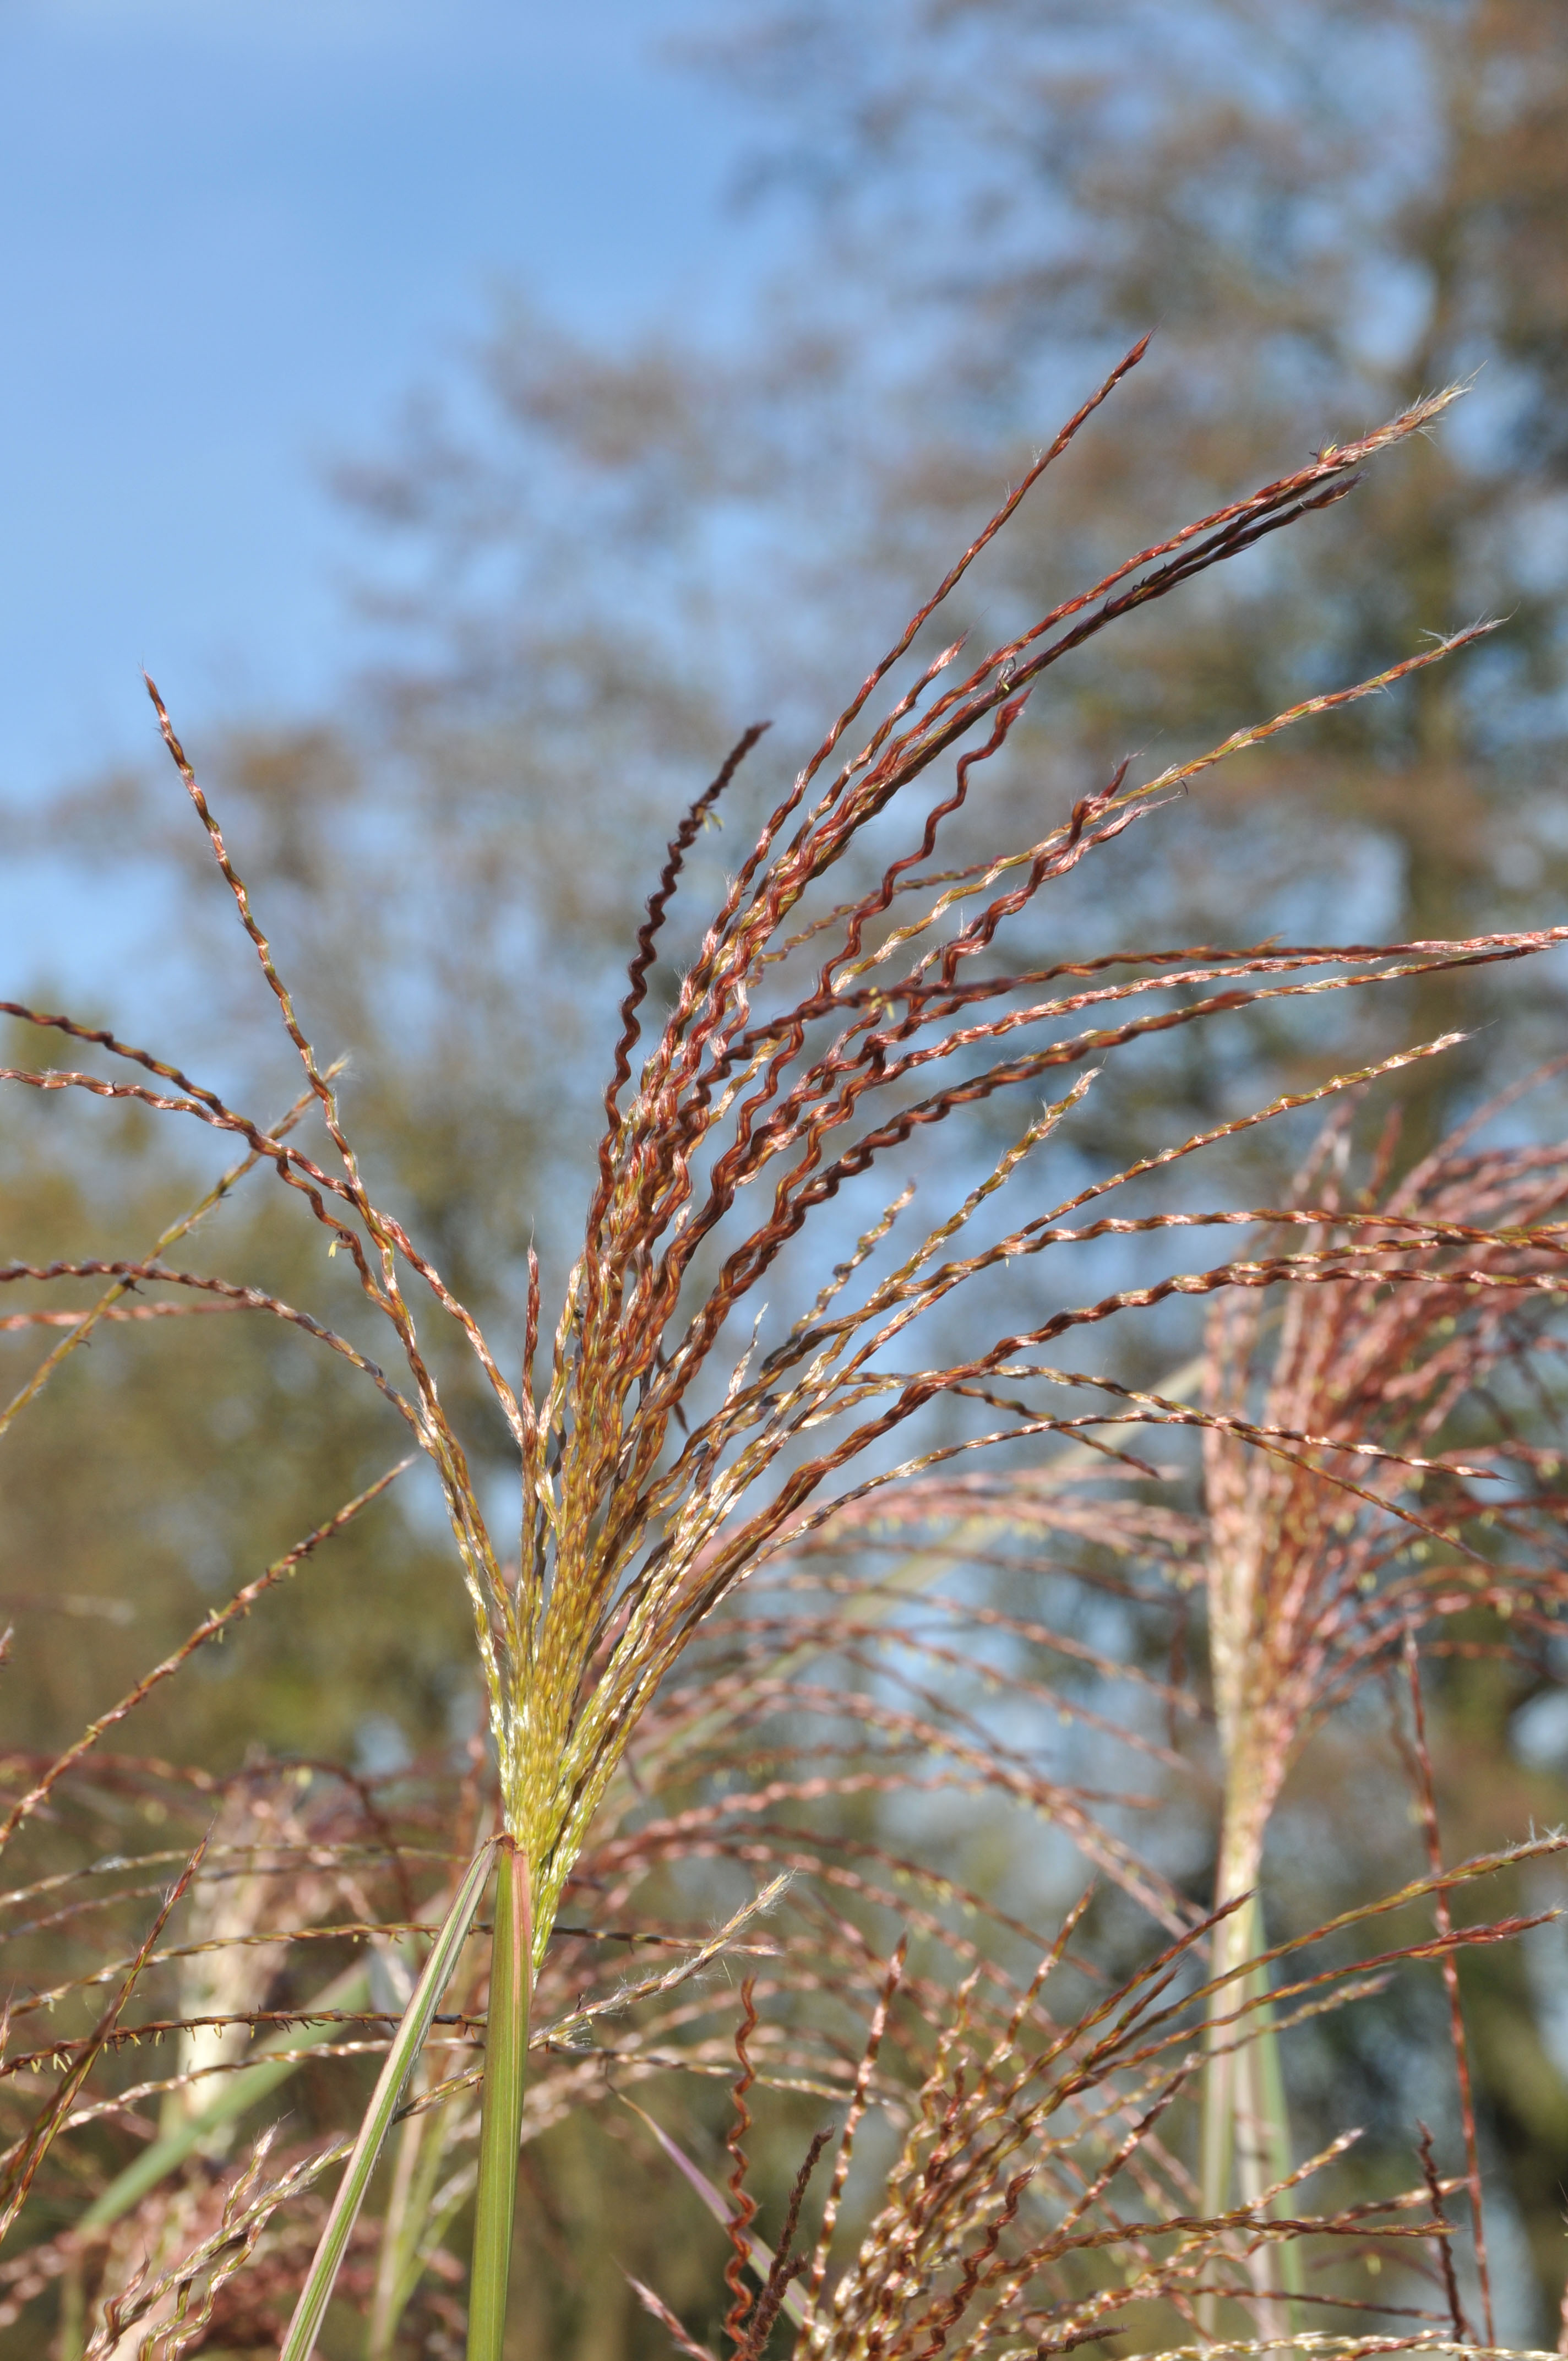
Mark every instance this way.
x=500 y=2126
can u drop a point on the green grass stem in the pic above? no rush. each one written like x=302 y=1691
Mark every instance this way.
x=1245 y=2133
x=500 y=2126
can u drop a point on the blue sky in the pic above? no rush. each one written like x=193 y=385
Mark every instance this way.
x=236 y=233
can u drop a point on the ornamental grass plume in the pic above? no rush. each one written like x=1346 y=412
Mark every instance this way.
x=1419 y=1370
x=664 y=1456
x=1426 y=1372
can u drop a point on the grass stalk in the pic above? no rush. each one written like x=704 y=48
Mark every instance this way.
x=1245 y=2133
x=406 y=2043
x=1221 y=2075
x=501 y=2124
x=1272 y=2116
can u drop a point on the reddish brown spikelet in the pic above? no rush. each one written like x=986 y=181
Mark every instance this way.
x=1445 y=2244
x=744 y=2204
x=1444 y=1917
x=787 y=2265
